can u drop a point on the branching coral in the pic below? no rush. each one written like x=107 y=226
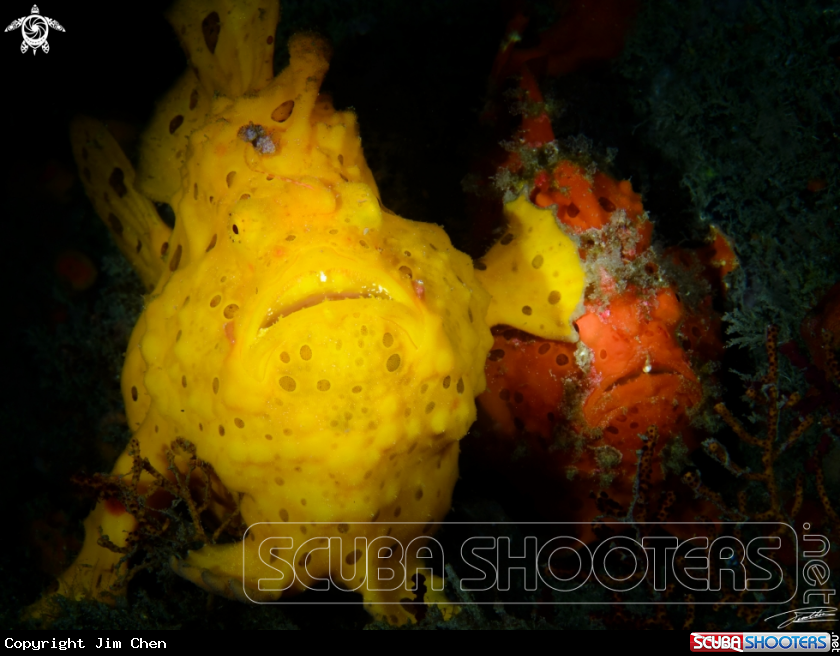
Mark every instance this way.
x=770 y=504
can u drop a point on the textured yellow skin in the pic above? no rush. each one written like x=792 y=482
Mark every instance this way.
x=320 y=352
x=534 y=274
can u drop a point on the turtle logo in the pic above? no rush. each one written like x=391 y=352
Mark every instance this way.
x=34 y=29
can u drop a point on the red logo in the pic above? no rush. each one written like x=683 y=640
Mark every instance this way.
x=717 y=642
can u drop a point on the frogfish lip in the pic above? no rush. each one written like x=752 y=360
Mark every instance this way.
x=283 y=309
x=634 y=375
x=319 y=277
x=660 y=385
x=313 y=290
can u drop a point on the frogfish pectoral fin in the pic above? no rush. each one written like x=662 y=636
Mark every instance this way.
x=132 y=219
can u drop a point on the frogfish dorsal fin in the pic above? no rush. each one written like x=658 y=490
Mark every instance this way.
x=109 y=178
x=163 y=144
x=230 y=49
x=229 y=44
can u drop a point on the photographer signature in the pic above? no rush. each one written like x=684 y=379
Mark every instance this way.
x=805 y=615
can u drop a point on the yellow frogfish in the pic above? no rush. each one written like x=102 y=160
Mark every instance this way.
x=319 y=352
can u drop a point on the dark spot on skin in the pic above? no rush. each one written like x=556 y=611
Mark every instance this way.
x=496 y=355
x=283 y=111
x=193 y=98
x=117 y=182
x=607 y=204
x=166 y=213
x=210 y=28
x=176 y=258
x=175 y=123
